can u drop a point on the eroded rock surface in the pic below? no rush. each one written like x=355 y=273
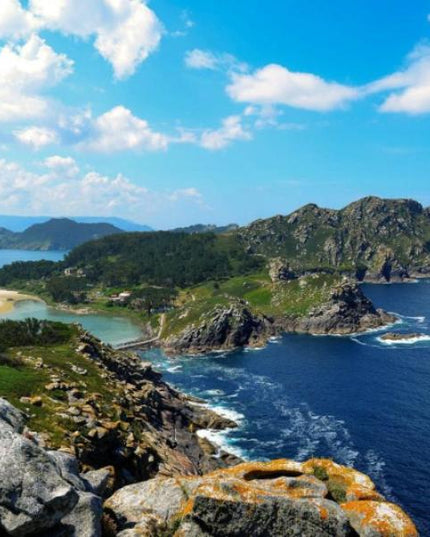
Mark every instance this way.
x=279 y=498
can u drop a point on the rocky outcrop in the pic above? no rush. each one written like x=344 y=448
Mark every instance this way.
x=280 y=270
x=279 y=498
x=348 y=311
x=224 y=327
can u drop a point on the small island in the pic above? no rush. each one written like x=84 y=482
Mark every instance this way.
x=403 y=338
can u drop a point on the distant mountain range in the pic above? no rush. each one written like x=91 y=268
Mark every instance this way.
x=21 y=223
x=55 y=234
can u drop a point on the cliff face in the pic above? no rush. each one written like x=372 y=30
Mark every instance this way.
x=377 y=239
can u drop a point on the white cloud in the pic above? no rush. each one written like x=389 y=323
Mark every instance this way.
x=36 y=137
x=231 y=129
x=412 y=85
x=119 y=130
x=274 y=84
x=200 y=59
x=51 y=193
x=25 y=71
x=62 y=165
x=126 y=31
x=15 y=22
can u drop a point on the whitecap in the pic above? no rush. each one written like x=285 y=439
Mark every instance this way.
x=174 y=369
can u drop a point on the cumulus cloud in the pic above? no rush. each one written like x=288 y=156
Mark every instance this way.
x=54 y=193
x=125 y=32
x=63 y=165
x=275 y=84
x=37 y=137
x=232 y=129
x=119 y=130
x=15 y=22
x=25 y=71
x=409 y=88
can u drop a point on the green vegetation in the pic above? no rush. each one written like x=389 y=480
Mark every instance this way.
x=162 y=259
x=321 y=473
x=67 y=289
x=337 y=490
x=362 y=236
x=29 y=362
x=32 y=332
x=22 y=271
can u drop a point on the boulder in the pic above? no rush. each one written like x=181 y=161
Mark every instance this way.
x=224 y=327
x=33 y=495
x=11 y=416
x=280 y=498
x=100 y=481
x=83 y=521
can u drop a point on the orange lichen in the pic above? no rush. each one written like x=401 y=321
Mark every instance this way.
x=386 y=518
x=262 y=470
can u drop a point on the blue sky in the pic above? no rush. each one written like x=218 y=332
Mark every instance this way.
x=173 y=112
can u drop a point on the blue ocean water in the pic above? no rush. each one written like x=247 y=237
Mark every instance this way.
x=355 y=399
x=9 y=256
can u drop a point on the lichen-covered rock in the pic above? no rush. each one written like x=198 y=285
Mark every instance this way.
x=279 y=498
x=379 y=519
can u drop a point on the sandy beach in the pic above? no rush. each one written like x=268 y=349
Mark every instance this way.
x=9 y=298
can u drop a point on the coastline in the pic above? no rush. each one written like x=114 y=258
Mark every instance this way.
x=9 y=298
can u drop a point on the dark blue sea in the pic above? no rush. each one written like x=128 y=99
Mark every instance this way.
x=355 y=399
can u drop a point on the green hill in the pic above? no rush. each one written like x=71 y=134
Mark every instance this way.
x=56 y=234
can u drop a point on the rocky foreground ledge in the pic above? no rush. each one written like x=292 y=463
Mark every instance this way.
x=43 y=494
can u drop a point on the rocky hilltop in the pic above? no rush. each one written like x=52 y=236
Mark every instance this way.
x=374 y=239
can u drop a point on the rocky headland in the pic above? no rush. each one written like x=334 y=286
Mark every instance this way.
x=345 y=311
